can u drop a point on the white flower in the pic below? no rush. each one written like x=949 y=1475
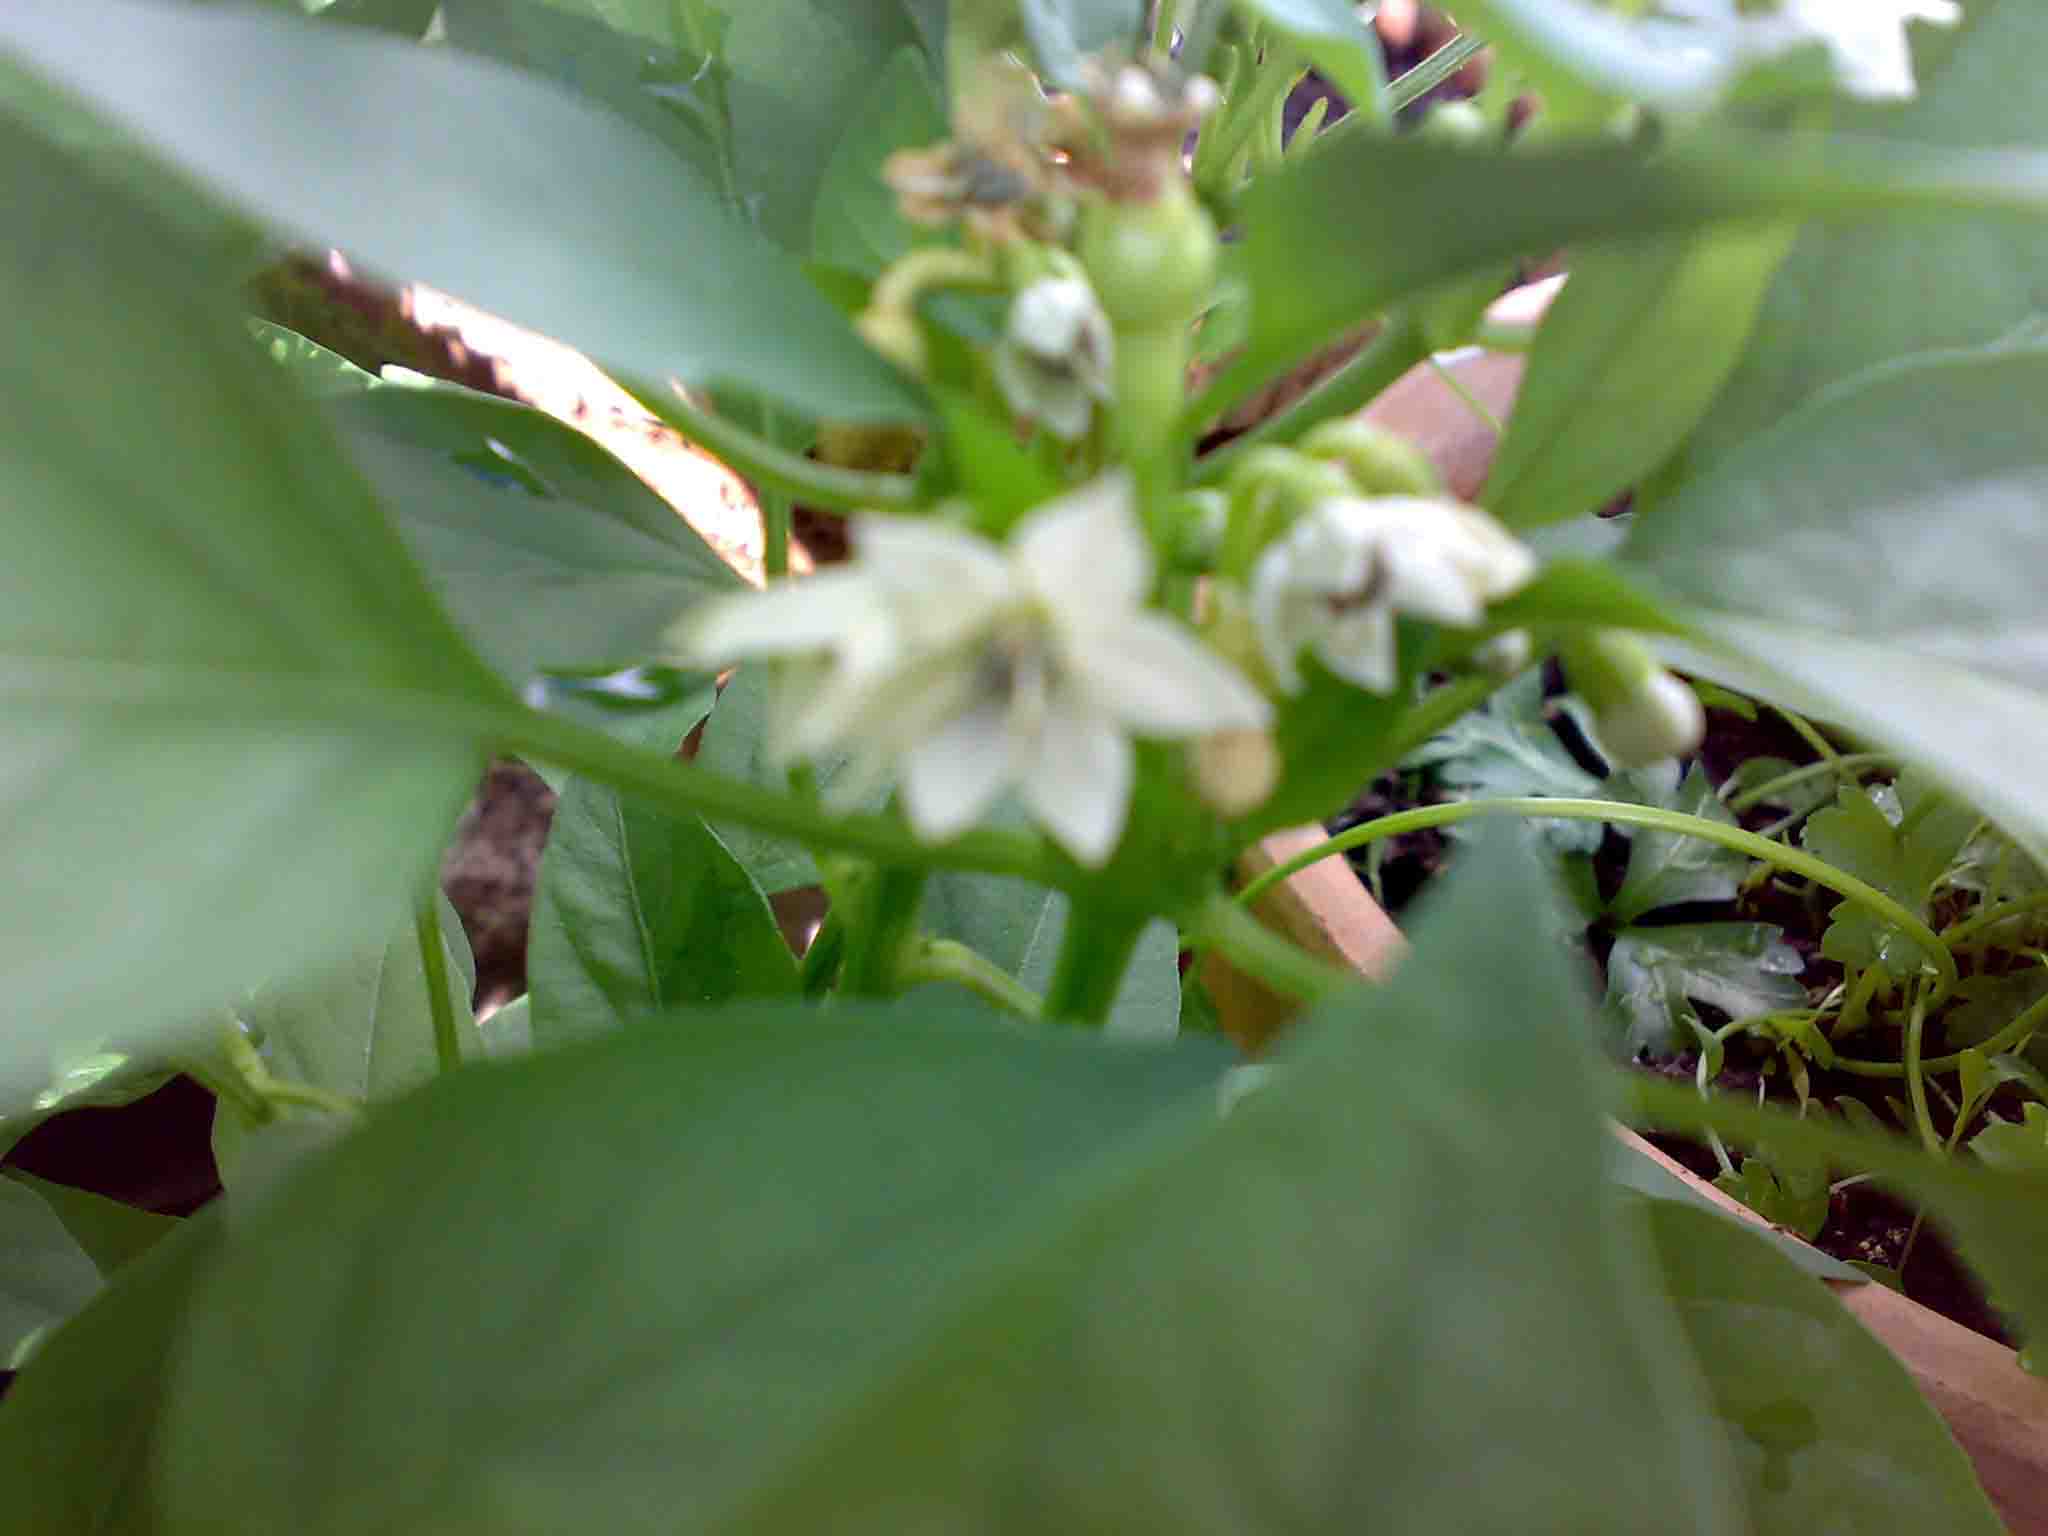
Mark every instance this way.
x=1336 y=579
x=1661 y=719
x=1866 y=40
x=1053 y=361
x=968 y=668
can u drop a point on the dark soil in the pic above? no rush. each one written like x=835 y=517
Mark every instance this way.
x=489 y=874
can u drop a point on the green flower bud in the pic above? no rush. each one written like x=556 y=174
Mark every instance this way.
x=1380 y=463
x=1642 y=712
x=1269 y=488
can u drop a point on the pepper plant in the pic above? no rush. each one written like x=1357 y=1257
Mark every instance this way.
x=967 y=1217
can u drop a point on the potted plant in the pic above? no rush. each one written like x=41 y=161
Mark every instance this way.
x=968 y=1217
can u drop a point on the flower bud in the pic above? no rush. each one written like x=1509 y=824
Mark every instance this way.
x=1642 y=712
x=1380 y=462
x=1506 y=655
x=1053 y=362
x=1236 y=771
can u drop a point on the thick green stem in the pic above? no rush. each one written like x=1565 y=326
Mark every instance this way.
x=1264 y=955
x=1398 y=347
x=935 y=959
x=1791 y=859
x=879 y=930
x=776 y=509
x=1093 y=956
x=434 y=968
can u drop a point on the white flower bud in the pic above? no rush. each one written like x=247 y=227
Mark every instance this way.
x=1660 y=718
x=1053 y=362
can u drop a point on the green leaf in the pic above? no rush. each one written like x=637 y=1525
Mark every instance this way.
x=735 y=744
x=651 y=83
x=1871 y=561
x=112 y=1234
x=942 y=1248
x=45 y=1275
x=1787 y=1187
x=314 y=370
x=220 y=636
x=552 y=555
x=1633 y=1171
x=856 y=225
x=437 y=167
x=1331 y=35
x=2016 y=1148
x=77 y=1427
x=636 y=912
x=1628 y=359
x=403 y=18
x=1987 y=1003
x=1018 y=926
x=1827 y=1429
x=1064 y=32
x=1855 y=295
x=362 y=1030
x=1509 y=748
x=1668 y=868
x=799 y=71
x=1656 y=975
x=1861 y=833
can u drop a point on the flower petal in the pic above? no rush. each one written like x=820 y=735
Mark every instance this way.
x=954 y=774
x=789 y=618
x=1083 y=554
x=1078 y=781
x=1359 y=648
x=1153 y=676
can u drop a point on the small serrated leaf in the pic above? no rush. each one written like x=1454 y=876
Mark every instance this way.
x=1655 y=976
x=1667 y=868
x=1510 y=748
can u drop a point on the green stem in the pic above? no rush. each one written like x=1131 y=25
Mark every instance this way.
x=935 y=959
x=1265 y=956
x=780 y=472
x=1398 y=347
x=2030 y=1021
x=1796 y=861
x=776 y=509
x=1433 y=71
x=879 y=930
x=821 y=960
x=690 y=790
x=1093 y=956
x=1842 y=763
x=1991 y=917
x=426 y=927
x=1822 y=747
x=1470 y=401
x=1916 y=1080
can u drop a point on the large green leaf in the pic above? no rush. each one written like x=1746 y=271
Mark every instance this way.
x=1862 y=293
x=1321 y=254
x=1064 y=32
x=549 y=552
x=1826 y=1427
x=873 y=1269
x=112 y=1233
x=799 y=71
x=856 y=225
x=221 y=763
x=1629 y=358
x=637 y=911
x=1873 y=559
x=647 y=81
x=45 y=1275
x=76 y=1429
x=482 y=180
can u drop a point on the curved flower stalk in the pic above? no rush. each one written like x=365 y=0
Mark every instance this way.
x=1335 y=580
x=1866 y=40
x=965 y=669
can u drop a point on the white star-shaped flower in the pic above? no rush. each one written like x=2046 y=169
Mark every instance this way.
x=1335 y=580
x=968 y=669
x=1866 y=40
